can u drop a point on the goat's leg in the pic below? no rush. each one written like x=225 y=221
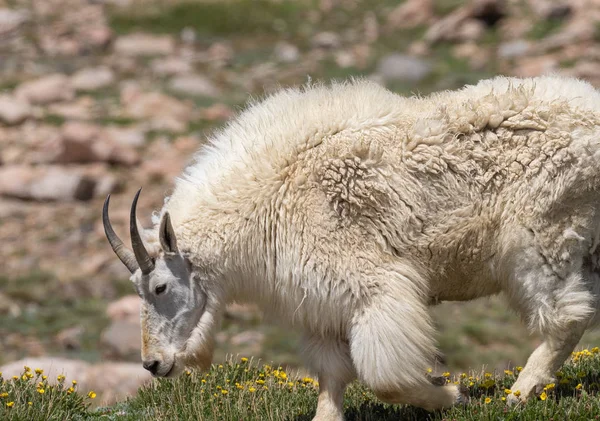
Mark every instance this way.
x=392 y=345
x=330 y=359
x=559 y=309
x=543 y=363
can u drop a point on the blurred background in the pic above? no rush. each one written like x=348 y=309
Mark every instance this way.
x=105 y=96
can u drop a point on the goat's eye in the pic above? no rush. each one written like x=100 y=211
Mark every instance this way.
x=160 y=289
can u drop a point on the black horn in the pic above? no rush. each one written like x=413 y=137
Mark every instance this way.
x=123 y=253
x=141 y=254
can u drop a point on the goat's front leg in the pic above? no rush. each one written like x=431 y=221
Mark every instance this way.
x=330 y=359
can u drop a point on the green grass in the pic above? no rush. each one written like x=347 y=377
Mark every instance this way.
x=31 y=396
x=248 y=17
x=244 y=390
x=544 y=28
x=45 y=311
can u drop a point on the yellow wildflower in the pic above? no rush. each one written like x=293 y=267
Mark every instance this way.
x=549 y=386
x=239 y=386
x=488 y=375
x=307 y=379
x=517 y=393
x=251 y=390
x=508 y=372
x=27 y=369
x=70 y=390
x=429 y=370
x=10 y=404
x=446 y=374
x=44 y=377
x=60 y=378
x=463 y=375
x=290 y=384
x=579 y=386
x=74 y=382
x=260 y=382
x=244 y=359
x=39 y=371
x=519 y=368
x=507 y=391
x=220 y=365
x=224 y=392
x=503 y=398
x=488 y=400
x=29 y=403
x=91 y=394
x=41 y=391
x=543 y=396
x=188 y=372
x=15 y=377
x=203 y=381
x=594 y=350
x=3 y=395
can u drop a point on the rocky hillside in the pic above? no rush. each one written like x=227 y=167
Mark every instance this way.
x=105 y=96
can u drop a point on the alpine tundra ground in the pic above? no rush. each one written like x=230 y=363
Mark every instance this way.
x=241 y=389
x=155 y=76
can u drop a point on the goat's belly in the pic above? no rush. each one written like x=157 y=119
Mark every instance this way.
x=463 y=288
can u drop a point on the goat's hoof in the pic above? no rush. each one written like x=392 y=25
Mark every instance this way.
x=438 y=381
x=463 y=397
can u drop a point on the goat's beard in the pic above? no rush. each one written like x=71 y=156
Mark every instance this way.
x=200 y=346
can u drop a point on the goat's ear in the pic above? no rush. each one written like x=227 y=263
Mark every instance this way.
x=167 y=235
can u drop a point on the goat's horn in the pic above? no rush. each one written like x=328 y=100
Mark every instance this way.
x=141 y=254
x=123 y=253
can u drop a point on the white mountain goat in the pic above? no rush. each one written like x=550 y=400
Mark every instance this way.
x=347 y=210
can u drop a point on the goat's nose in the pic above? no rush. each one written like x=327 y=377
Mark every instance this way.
x=151 y=366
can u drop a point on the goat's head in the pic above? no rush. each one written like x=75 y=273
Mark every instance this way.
x=178 y=313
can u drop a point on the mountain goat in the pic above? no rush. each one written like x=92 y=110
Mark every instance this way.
x=346 y=210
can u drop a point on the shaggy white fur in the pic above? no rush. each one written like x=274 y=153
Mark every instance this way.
x=345 y=210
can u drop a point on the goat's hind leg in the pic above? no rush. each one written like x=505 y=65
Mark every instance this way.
x=561 y=311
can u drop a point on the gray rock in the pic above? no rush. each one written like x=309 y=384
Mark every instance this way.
x=286 y=52
x=11 y=20
x=196 y=85
x=401 y=67
x=163 y=112
x=141 y=44
x=45 y=183
x=511 y=49
x=122 y=340
x=93 y=78
x=326 y=40
x=47 y=89
x=126 y=308
x=83 y=143
x=170 y=66
x=13 y=111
